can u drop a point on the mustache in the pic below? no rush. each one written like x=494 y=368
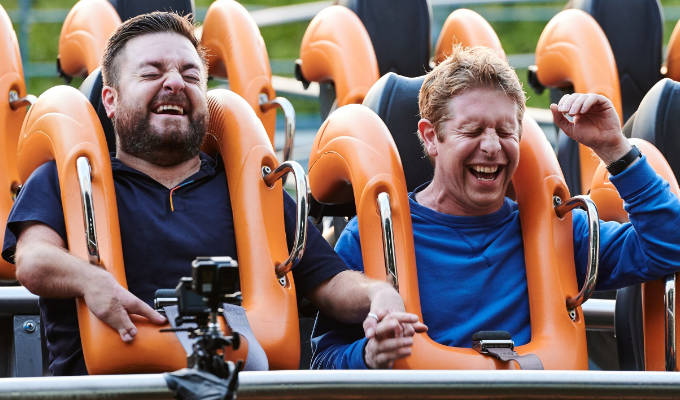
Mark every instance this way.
x=179 y=99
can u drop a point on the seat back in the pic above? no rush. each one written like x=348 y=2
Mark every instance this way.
x=636 y=39
x=399 y=31
x=352 y=135
x=605 y=195
x=573 y=52
x=131 y=8
x=236 y=51
x=63 y=126
x=11 y=79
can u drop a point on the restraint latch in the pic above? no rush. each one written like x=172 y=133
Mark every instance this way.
x=499 y=344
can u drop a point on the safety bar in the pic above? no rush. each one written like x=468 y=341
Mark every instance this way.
x=371 y=384
x=85 y=180
x=16 y=102
x=588 y=205
x=301 y=192
x=289 y=117
x=17 y=300
x=599 y=314
x=669 y=322
x=388 y=238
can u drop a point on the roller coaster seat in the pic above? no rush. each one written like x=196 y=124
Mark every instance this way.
x=636 y=39
x=92 y=89
x=131 y=8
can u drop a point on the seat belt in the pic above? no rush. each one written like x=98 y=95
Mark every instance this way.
x=499 y=344
x=238 y=322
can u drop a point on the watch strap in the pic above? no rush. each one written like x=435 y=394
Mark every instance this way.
x=622 y=163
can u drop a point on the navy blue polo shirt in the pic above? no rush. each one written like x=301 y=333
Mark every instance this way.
x=162 y=231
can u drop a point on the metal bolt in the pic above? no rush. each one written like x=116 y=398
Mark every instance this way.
x=283 y=281
x=266 y=170
x=572 y=314
x=29 y=326
x=557 y=200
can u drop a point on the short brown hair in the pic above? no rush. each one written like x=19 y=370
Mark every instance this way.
x=155 y=22
x=465 y=69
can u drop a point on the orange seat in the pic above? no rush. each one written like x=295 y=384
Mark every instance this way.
x=338 y=169
x=673 y=54
x=83 y=37
x=469 y=29
x=336 y=48
x=11 y=116
x=605 y=195
x=63 y=126
x=573 y=51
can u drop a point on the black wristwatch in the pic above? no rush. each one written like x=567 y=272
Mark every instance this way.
x=622 y=163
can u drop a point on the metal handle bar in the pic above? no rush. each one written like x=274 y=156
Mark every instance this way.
x=17 y=102
x=388 y=238
x=289 y=117
x=588 y=205
x=669 y=322
x=301 y=191
x=85 y=180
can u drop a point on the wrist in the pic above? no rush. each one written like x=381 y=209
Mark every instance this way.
x=625 y=161
x=612 y=153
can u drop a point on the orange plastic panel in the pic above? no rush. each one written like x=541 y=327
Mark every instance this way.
x=237 y=51
x=336 y=47
x=83 y=36
x=354 y=134
x=259 y=227
x=573 y=50
x=673 y=54
x=11 y=78
x=469 y=29
x=63 y=126
x=610 y=207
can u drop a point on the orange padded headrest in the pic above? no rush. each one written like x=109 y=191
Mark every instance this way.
x=574 y=50
x=236 y=51
x=83 y=37
x=469 y=29
x=336 y=47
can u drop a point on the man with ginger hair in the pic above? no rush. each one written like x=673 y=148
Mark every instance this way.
x=467 y=236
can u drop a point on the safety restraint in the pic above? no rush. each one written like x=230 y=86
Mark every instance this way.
x=499 y=344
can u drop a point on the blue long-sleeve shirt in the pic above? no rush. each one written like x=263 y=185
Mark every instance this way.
x=471 y=271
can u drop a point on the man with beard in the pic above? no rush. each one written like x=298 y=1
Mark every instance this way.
x=173 y=204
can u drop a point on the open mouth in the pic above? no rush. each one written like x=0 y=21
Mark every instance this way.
x=169 y=109
x=485 y=172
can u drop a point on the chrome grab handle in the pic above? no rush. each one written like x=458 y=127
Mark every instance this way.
x=85 y=180
x=17 y=102
x=289 y=117
x=594 y=249
x=669 y=322
x=388 y=238
x=301 y=191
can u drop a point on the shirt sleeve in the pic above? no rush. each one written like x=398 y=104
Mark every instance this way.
x=39 y=201
x=319 y=262
x=336 y=345
x=647 y=247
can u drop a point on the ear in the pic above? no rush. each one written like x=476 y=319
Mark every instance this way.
x=428 y=134
x=109 y=100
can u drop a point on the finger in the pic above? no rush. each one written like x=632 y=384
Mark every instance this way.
x=564 y=103
x=123 y=324
x=388 y=328
x=402 y=316
x=420 y=327
x=369 y=325
x=386 y=360
x=560 y=120
x=577 y=103
x=134 y=305
x=589 y=102
x=391 y=345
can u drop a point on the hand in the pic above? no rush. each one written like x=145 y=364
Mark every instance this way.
x=595 y=124
x=112 y=304
x=391 y=339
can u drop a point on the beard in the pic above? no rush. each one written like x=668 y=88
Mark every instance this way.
x=171 y=146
